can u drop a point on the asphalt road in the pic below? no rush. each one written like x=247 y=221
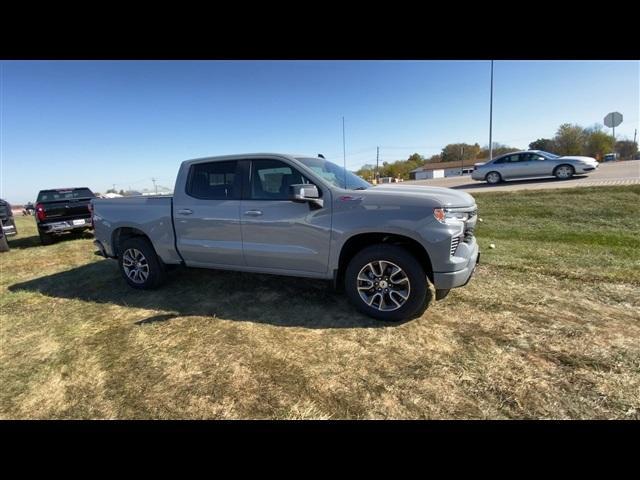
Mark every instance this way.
x=610 y=173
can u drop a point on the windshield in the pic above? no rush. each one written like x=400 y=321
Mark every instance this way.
x=334 y=174
x=547 y=154
x=69 y=194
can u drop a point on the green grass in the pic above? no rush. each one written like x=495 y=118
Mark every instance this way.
x=586 y=234
x=548 y=328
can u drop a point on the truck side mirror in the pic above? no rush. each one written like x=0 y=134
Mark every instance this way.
x=305 y=192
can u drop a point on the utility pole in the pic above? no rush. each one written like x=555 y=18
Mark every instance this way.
x=461 y=160
x=491 y=116
x=114 y=187
x=378 y=164
x=154 y=185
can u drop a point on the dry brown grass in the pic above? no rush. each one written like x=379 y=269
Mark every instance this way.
x=527 y=338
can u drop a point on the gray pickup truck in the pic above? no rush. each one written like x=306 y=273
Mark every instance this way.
x=297 y=216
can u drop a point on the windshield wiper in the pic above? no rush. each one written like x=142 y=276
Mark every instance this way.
x=360 y=188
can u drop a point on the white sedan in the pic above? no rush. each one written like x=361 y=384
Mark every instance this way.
x=532 y=163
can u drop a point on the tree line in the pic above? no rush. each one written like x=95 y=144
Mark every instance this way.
x=570 y=139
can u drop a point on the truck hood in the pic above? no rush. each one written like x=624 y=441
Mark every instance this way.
x=446 y=197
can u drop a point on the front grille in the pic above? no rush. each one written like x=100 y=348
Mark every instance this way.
x=454 y=245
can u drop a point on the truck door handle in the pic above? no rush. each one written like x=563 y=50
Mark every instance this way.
x=253 y=213
x=185 y=211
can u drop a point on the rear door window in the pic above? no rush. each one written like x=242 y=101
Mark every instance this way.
x=214 y=181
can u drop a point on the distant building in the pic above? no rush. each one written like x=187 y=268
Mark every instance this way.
x=158 y=191
x=390 y=180
x=443 y=169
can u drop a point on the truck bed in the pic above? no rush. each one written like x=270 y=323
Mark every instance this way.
x=152 y=215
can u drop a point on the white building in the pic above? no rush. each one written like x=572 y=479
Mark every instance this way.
x=442 y=170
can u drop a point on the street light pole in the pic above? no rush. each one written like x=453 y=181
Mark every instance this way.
x=377 y=165
x=344 y=155
x=491 y=116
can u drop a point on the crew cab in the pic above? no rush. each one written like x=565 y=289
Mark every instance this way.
x=62 y=210
x=390 y=247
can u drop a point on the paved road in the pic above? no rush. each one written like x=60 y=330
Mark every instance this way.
x=610 y=173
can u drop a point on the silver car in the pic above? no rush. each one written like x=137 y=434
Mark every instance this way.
x=532 y=163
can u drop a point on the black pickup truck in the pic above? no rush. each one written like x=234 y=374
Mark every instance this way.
x=7 y=223
x=62 y=210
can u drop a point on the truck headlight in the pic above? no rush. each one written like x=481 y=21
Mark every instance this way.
x=445 y=215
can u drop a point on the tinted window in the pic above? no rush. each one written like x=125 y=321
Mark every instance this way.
x=62 y=194
x=270 y=180
x=510 y=159
x=214 y=181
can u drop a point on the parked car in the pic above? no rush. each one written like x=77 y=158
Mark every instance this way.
x=7 y=221
x=532 y=163
x=29 y=209
x=297 y=216
x=62 y=210
x=610 y=157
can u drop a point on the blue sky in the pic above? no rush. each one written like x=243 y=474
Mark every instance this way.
x=96 y=123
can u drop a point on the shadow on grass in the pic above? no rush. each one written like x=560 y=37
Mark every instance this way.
x=269 y=299
x=34 y=240
x=480 y=185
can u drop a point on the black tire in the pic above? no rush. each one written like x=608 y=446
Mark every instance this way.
x=45 y=238
x=442 y=294
x=4 y=244
x=491 y=179
x=419 y=294
x=561 y=168
x=155 y=269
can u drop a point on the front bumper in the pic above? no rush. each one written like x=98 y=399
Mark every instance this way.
x=458 y=278
x=586 y=168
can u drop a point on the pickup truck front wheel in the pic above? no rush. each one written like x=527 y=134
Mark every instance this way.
x=139 y=264
x=387 y=283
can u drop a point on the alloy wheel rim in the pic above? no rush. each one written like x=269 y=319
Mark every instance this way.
x=564 y=172
x=383 y=285
x=135 y=265
x=493 y=178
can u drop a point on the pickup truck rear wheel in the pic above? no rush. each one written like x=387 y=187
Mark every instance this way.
x=139 y=264
x=387 y=283
x=4 y=245
x=45 y=238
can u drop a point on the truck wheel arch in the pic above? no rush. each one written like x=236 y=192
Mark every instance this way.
x=359 y=241
x=121 y=234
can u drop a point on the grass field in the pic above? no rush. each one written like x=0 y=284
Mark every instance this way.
x=548 y=328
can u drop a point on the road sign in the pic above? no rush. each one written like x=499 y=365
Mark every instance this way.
x=613 y=119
